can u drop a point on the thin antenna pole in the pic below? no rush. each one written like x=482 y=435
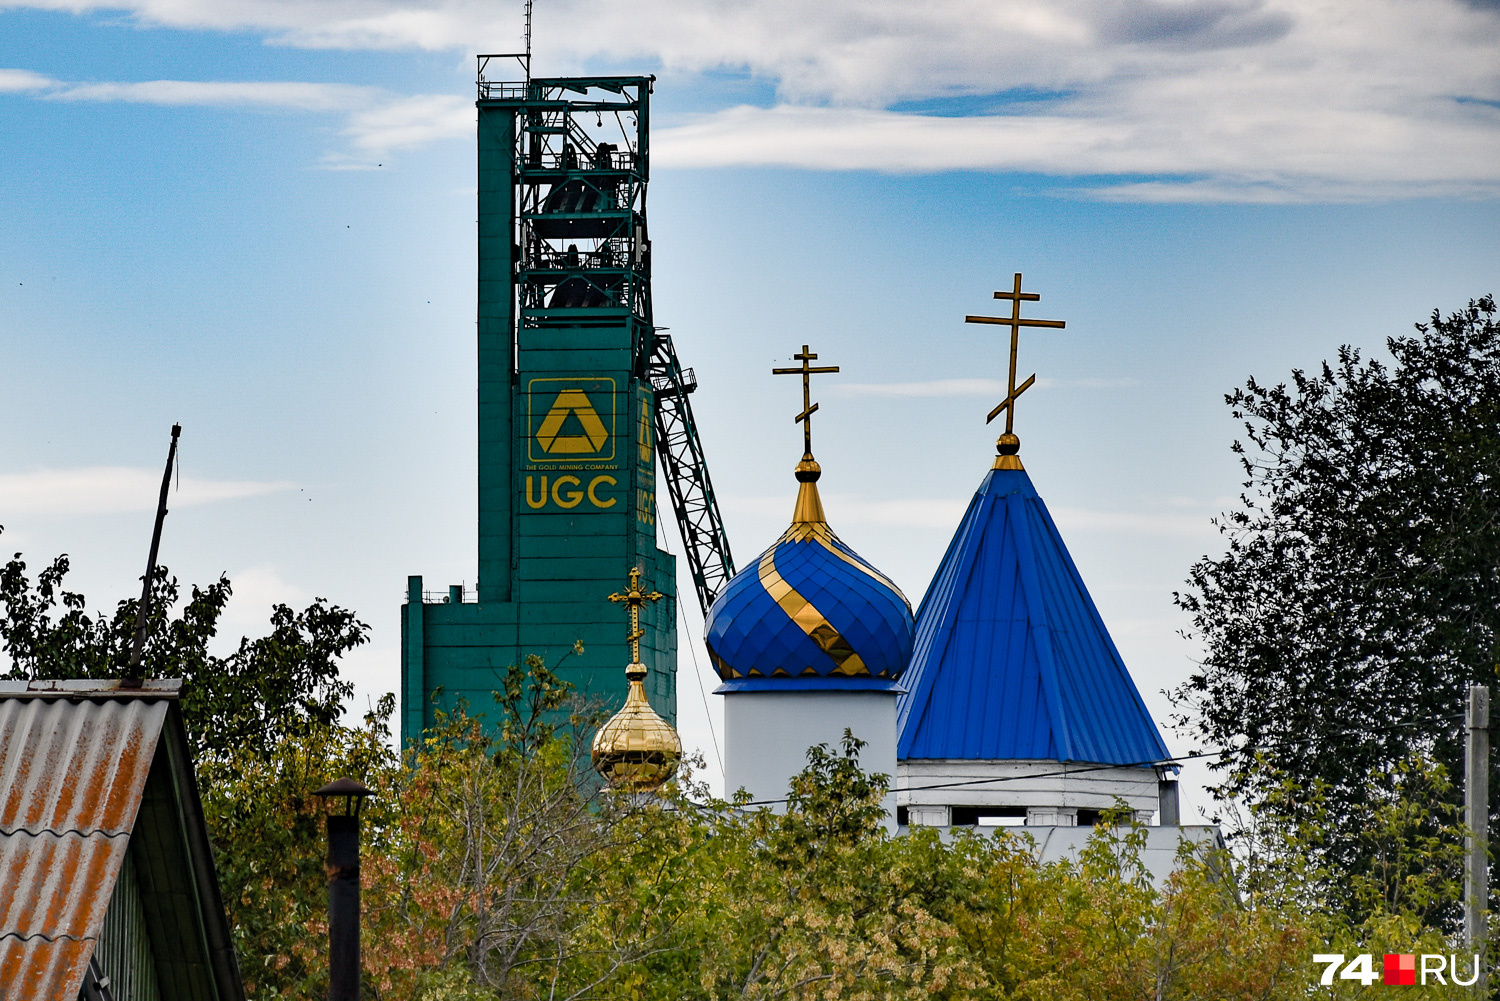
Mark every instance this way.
x=528 y=41
x=161 y=515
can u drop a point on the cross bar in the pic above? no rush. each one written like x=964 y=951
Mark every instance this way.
x=1006 y=321
x=1006 y=403
x=808 y=406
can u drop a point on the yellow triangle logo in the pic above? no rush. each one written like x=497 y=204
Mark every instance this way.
x=572 y=402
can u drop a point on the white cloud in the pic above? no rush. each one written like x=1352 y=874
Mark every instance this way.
x=377 y=121
x=913 y=512
x=945 y=512
x=942 y=388
x=209 y=93
x=111 y=489
x=255 y=589
x=1165 y=100
x=1333 y=155
x=412 y=121
x=1136 y=523
x=934 y=388
x=852 y=509
x=20 y=81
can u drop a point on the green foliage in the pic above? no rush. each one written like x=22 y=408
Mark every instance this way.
x=1359 y=595
x=496 y=866
x=494 y=830
x=264 y=722
x=267 y=690
x=269 y=843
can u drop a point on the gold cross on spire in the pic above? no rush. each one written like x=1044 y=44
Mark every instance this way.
x=808 y=407
x=1015 y=322
x=634 y=599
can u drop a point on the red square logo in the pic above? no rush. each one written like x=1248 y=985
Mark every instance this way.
x=1400 y=969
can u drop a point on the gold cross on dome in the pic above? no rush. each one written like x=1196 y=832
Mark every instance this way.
x=634 y=599
x=1015 y=322
x=808 y=407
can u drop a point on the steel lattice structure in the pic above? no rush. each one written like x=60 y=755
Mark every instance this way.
x=697 y=510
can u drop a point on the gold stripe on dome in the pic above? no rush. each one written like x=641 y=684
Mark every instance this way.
x=809 y=619
x=725 y=671
x=823 y=536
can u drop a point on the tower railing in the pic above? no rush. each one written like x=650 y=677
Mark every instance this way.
x=508 y=90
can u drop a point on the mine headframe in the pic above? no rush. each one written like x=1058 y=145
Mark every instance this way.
x=582 y=166
x=582 y=256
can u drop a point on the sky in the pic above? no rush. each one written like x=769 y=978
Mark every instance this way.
x=256 y=217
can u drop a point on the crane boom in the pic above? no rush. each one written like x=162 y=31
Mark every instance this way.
x=686 y=472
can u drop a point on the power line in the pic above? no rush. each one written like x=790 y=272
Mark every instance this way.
x=697 y=671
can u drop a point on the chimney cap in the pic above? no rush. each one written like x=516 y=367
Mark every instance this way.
x=345 y=787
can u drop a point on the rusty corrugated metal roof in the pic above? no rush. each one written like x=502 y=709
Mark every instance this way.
x=72 y=774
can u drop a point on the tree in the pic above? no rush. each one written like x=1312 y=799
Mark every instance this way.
x=495 y=848
x=270 y=843
x=1360 y=593
x=497 y=866
x=267 y=689
x=817 y=902
x=265 y=724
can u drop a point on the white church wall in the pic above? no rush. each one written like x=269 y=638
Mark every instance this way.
x=1045 y=793
x=767 y=734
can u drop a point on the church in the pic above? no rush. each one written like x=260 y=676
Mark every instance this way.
x=999 y=700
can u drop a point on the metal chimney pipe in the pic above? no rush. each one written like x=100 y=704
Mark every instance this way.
x=343 y=908
x=1169 y=809
x=343 y=889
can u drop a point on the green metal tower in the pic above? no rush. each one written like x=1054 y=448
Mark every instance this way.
x=570 y=370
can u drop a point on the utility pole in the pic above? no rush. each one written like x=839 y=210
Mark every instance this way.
x=143 y=611
x=1477 y=820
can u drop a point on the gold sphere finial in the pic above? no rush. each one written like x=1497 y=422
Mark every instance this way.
x=1008 y=448
x=636 y=750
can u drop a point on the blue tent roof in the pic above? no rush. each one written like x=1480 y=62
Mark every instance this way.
x=1011 y=658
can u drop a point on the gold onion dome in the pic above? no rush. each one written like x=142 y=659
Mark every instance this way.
x=636 y=750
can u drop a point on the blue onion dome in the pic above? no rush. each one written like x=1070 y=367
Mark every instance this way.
x=809 y=612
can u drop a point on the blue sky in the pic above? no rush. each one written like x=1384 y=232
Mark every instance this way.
x=257 y=217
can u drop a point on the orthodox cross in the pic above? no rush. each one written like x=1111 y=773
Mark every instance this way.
x=634 y=599
x=808 y=407
x=1015 y=322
